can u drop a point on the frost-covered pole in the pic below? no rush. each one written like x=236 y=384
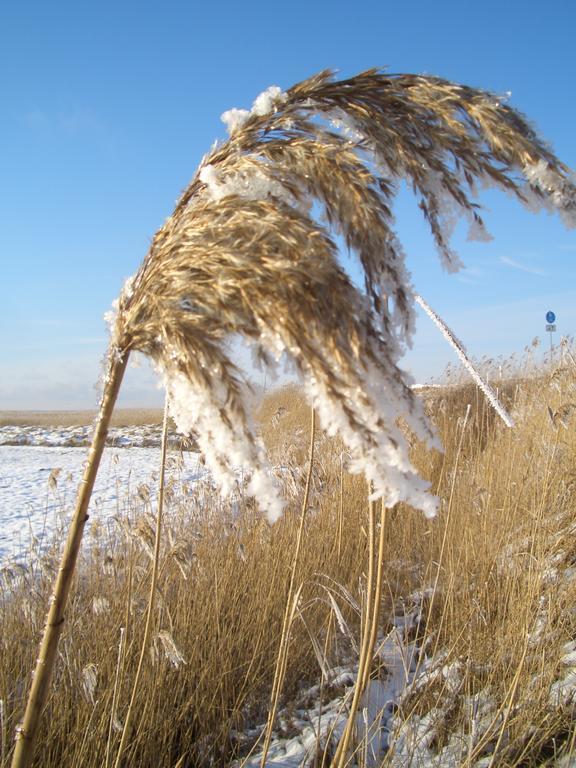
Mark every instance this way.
x=26 y=732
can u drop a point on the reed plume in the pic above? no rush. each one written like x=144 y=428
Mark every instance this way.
x=245 y=253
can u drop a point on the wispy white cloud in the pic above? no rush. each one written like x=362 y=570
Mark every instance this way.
x=73 y=122
x=521 y=267
x=469 y=275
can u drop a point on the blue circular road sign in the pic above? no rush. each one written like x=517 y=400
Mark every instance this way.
x=550 y=317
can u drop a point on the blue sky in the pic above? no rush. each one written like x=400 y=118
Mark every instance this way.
x=107 y=108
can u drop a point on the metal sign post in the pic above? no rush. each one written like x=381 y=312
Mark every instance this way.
x=550 y=327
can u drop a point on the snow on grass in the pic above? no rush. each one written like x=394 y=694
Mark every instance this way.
x=39 y=479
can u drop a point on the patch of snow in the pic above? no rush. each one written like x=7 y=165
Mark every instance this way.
x=38 y=487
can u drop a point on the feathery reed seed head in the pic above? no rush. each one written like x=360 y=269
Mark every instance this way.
x=244 y=253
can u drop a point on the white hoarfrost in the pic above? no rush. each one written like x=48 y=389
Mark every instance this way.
x=268 y=100
x=263 y=104
x=234 y=118
x=559 y=194
x=253 y=184
x=448 y=214
x=341 y=121
x=125 y=294
x=460 y=350
x=198 y=410
x=378 y=448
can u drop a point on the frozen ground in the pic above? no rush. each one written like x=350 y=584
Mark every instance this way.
x=40 y=471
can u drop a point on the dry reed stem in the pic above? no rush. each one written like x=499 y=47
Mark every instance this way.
x=366 y=651
x=2 y=733
x=377 y=595
x=152 y=594
x=340 y=520
x=26 y=733
x=114 y=707
x=291 y=603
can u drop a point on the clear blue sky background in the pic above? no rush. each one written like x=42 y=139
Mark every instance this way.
x=107 y=108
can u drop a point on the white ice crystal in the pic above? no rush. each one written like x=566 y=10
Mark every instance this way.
x=380 y=451
x=198 y=410
x=264 y=104
x=234 y=118
x=448 y=214
x=253 y=184
x=460 y=350
x=111 y=314
x=559 y=195
x=267 y=101
x=342 y=122
x=477 y=231
x=125 y=294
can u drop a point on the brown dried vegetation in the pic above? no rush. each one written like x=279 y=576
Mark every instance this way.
x=500 y=556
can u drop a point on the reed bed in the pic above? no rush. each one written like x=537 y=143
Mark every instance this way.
x=246 y=253
x=494 y=572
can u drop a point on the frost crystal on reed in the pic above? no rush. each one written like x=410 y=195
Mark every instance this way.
x=234 y=119
x=227 y=446
x=251 y=184
x=554 y=191
x=266 y=102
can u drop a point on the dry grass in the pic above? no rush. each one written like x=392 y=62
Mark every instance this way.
x=122 y=417
x=496 y=563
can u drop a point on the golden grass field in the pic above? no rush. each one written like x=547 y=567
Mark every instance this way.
x=494 y=571
x=123 y=417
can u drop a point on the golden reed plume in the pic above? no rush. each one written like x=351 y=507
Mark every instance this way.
x=249 y=251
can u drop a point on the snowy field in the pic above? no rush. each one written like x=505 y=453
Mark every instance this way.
x=41 y=467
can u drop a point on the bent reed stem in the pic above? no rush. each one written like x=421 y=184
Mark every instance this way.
x=26 y=732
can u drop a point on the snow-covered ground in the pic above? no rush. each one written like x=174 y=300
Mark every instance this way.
x=40 y=472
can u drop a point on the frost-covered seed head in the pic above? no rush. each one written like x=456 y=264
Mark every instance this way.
x=245 y=253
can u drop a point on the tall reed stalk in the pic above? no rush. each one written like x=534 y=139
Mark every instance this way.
x=369 y=627
x=27 y=732
x=291 y=602
x=152 y=593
